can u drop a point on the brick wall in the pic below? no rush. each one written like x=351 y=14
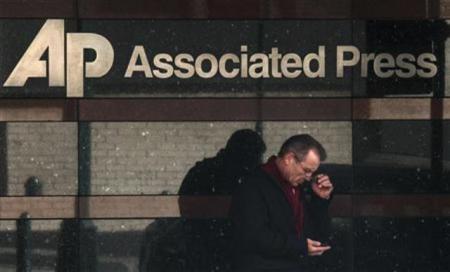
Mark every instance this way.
x=45 y=150
x=149 y=158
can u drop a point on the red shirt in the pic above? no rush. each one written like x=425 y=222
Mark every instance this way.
x=292 y=193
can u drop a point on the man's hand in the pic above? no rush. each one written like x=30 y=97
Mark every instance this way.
x=323 y=186
x=315 y=248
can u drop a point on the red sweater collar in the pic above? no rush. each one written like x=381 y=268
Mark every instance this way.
x=271 y=168
x=291 y=193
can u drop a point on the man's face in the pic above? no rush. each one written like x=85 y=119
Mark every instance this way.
x=296 y=171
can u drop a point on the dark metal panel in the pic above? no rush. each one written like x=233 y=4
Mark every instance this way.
x=142 y=9
x=38 y=9
x=310 y=9
x=394 y=9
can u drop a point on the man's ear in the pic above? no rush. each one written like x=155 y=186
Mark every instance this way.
x=289 y=158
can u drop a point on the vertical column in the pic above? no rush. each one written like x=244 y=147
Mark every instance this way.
x=24 y=247
x=437 y=106
x=88 y=231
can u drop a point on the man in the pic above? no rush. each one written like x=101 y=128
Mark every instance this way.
x=274 y=223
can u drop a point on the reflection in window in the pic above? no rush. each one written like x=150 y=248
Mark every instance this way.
x=391 y=244
x=44 y=152
x=392 y=156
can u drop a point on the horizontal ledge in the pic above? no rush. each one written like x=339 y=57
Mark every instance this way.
x=401 y=205
x=63 y=207
x=224 y=109
x=110 y=207
x=214 y=109
x=401 y=108
x=269 y=109
x=38 y=110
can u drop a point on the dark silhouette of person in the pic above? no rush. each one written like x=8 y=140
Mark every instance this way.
x=221 y=174
x=203 y=244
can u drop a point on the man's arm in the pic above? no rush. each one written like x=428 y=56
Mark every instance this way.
x=321 y=196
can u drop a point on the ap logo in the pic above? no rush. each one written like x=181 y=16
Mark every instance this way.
x=51 y=37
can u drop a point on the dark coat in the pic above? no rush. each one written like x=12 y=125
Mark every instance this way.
x=264 y=226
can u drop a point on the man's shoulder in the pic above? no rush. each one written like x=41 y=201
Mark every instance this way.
x=257 y=179
x=255 y=175
x=253 y=188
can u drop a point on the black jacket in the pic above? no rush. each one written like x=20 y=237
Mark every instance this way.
x=264 y=228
